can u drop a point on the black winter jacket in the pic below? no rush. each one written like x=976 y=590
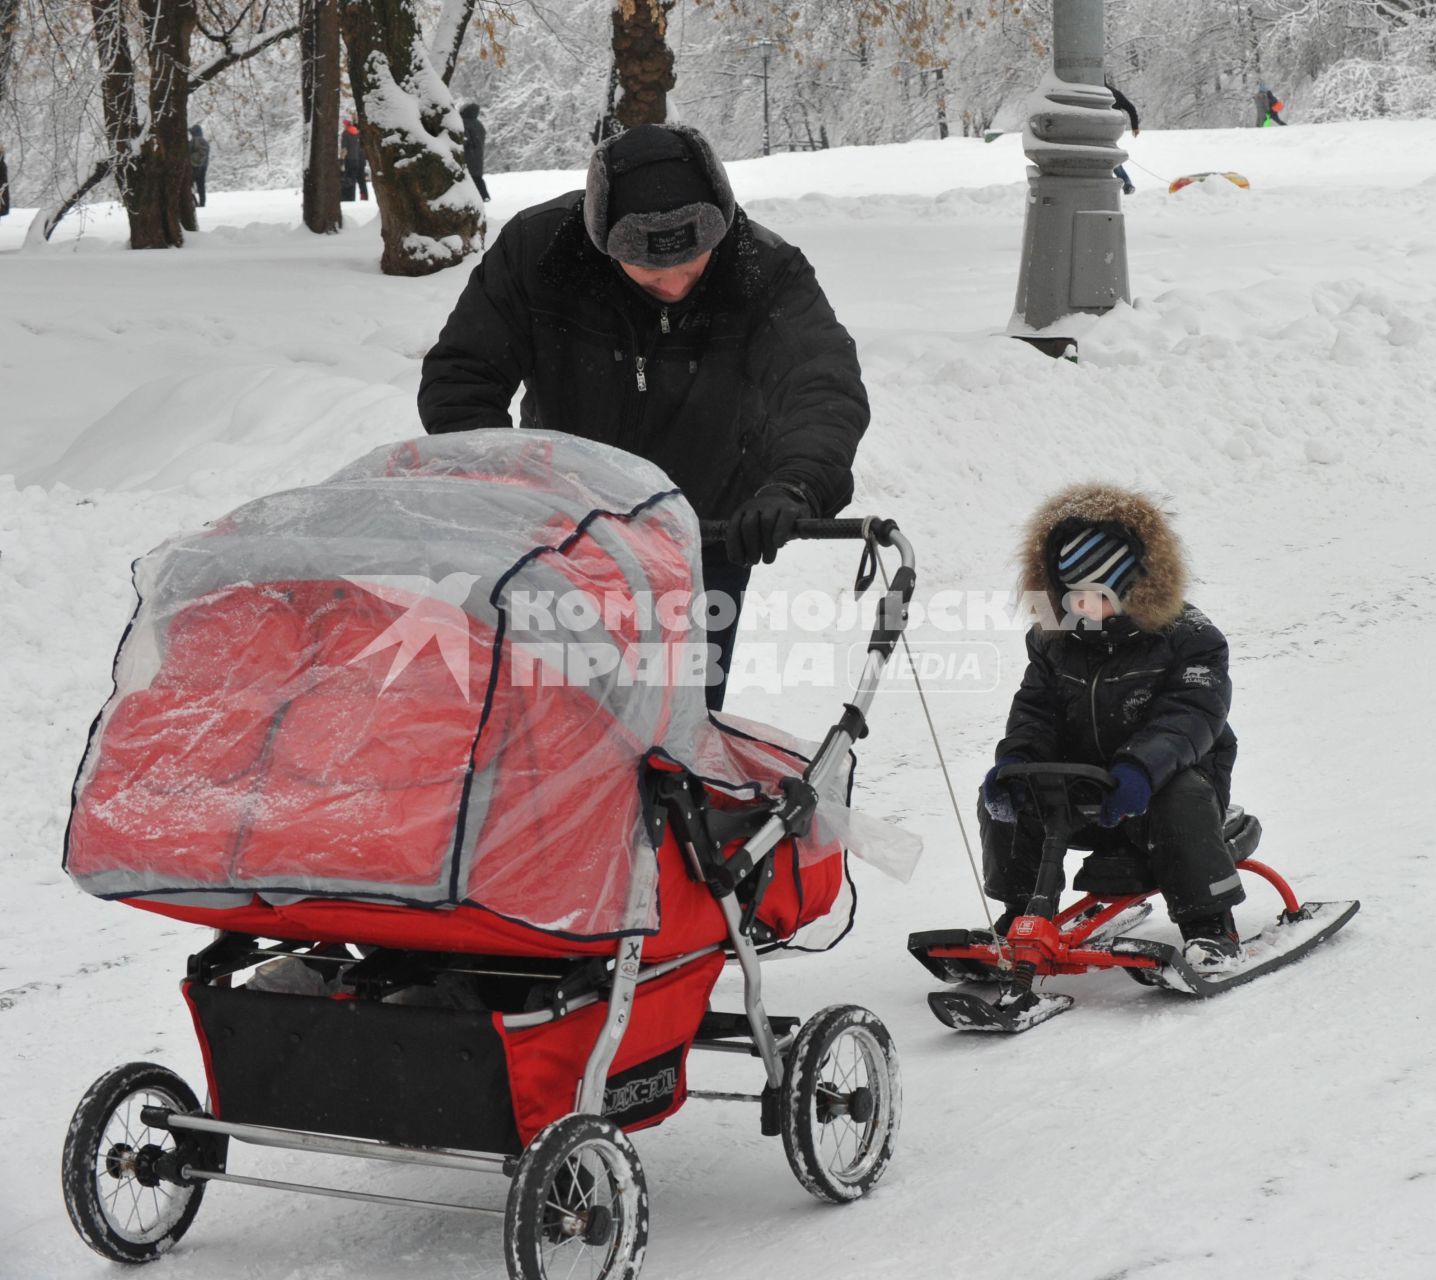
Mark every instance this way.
x=474 y=135
x=1159 y=699
x=1123 y=103
x=750 y=380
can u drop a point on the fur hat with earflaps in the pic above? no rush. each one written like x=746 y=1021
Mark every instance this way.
x=1100 y=537
x=657 y=196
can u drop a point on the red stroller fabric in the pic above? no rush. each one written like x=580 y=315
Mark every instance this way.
x=411 y=706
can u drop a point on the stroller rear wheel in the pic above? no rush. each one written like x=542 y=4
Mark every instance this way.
x=841 y=1102
x=578 y=1204
x=115 y=1196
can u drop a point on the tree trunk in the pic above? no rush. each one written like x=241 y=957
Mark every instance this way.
x=44 y=225
x=643 y=60
x=428 y=205
x=169 y=27
x=942 y=129
x=134 y=167
x=449 y=28
x=319 y=91
x=9 y=21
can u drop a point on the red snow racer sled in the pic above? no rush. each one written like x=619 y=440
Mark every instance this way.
x=427 y=743
x=1087 y=935
x=1186 y=180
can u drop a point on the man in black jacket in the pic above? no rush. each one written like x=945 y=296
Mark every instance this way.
x=198 y=162
x=1144 y=693
x=649 y=313
x=474 y=135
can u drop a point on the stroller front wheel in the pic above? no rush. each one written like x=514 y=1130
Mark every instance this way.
x=841 y=1102
x=578 y=1204
x=113 y=1192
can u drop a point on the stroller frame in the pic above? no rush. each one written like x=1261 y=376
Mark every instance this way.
x=177 y=1144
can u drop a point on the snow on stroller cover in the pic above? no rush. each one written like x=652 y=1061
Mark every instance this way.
x=415 y=705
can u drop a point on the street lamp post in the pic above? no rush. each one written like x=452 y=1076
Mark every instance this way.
x=1074 y=243
x=766 y=48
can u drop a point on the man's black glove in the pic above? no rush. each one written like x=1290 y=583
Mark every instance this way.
x=765 y=522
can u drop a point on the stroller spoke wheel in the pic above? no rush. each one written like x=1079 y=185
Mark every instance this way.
x=118 y=1202
x=841 y=1103
x=578 y=1205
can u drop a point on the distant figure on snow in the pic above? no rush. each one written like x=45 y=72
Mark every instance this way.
x=1267 y=106
x=474 y=134
x=351 y=160
x=1123 y=103
x=4 y=185
x=198 y=162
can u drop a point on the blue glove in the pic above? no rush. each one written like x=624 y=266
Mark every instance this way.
x=999 y=797
x=1129 y=798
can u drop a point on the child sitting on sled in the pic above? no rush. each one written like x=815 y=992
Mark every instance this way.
x=1133 y=679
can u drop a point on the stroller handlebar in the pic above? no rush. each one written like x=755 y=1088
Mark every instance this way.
x=816 y=528
x=874 y=532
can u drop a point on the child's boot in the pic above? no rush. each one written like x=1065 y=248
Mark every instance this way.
x=1210 y=943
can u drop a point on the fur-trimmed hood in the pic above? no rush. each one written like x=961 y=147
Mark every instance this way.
x=1155 y=600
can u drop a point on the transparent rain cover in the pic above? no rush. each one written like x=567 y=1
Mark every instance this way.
x=431 y=679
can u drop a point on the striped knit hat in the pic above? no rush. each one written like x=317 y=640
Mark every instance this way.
x=1101 y=557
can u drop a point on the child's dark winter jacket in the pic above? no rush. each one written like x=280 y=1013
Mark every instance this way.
x=1150 y=687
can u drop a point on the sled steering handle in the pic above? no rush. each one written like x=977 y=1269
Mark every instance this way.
x=1048 y=782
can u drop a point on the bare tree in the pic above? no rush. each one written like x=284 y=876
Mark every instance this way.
x=133 y=154
x=169 y=27
x=145 y=148
x=319 y=92
x=452 y=25
x=9 y=21
x=413 y=140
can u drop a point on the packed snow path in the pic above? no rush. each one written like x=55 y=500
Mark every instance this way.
x=1274 y=379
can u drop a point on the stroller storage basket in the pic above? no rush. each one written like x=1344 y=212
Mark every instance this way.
x=440 y=1075
x=422 y=1077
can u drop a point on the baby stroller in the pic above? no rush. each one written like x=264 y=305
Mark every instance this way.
x=427 y=746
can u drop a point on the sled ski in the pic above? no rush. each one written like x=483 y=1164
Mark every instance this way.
x=1130 y=918
x=967 y=1011
x=1092 y=933
x=1277 y=945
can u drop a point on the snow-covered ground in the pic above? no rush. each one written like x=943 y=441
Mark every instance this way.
x=1274 y=379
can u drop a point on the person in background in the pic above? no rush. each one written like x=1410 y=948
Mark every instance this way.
x=1267 y=106
x=474 y=134
x=649 y=313
x=198 y=162
x=351 y=162
x=1124 y=103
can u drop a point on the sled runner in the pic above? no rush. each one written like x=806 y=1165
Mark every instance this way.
x=1089 y=934
x=475 y=855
